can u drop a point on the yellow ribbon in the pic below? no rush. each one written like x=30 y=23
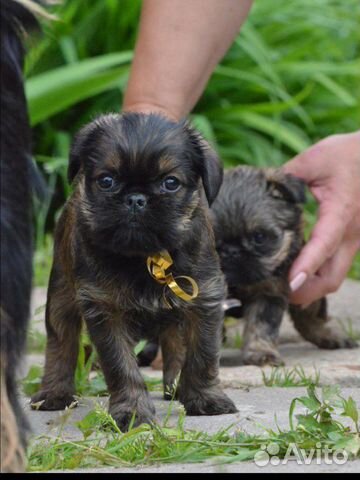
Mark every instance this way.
x=157 y=266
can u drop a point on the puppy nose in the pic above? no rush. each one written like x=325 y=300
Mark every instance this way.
x=136 y=201
x=232 y=251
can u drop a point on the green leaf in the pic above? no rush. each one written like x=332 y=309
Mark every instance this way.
x=350 y=410
x=32 y=382
x=308 y=422
x=311 y=391
x=310 y=403
x=140 y=347
x=89 y=424
x=308 y=68
x=336 y=89
x=54 y=91
x=279 y=130
x=331 y=394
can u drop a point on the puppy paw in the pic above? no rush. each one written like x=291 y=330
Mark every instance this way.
x=259 y=357
x=48 y=400
x=330 y=340
x=210 y=402
x=170 y=393
x=123 y=414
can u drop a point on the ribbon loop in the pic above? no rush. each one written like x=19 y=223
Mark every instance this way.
x=158 y=264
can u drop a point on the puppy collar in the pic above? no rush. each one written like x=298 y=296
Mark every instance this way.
x=158 y=264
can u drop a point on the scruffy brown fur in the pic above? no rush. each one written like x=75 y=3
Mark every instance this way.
x=257 y=219
x=99 y=272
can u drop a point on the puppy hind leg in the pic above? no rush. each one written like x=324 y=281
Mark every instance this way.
x=263 y=318
x=63 y=325
x=311 y=323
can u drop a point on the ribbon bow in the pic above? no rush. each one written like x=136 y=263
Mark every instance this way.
x=157 y=266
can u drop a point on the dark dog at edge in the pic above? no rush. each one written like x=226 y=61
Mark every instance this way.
x=18 y=178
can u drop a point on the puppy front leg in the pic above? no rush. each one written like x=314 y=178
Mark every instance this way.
x=63 y=326
x=311 y=323
x=128 y=394
x=199 y=388
x=263 y=317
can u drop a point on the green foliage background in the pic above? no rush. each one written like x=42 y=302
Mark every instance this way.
x=291 y=77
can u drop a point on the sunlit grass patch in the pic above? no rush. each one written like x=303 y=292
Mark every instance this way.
x=290 y=377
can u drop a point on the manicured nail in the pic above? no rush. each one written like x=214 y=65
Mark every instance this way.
x=298 y=281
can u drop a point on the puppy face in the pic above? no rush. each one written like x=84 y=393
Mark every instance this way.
x=141 y=180
x=257 y=223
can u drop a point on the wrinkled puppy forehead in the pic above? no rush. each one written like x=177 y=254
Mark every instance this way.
x=243 y=188
x=139 y=142
x=253 y=198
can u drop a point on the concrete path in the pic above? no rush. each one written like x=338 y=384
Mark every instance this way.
x=256 y=403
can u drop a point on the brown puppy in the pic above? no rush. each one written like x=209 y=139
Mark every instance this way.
x=257 y=219
x=141 y=186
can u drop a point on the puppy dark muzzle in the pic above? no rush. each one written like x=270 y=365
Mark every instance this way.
x=136 y=202
x=229 y=252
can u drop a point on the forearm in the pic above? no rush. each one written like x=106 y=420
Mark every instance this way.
x=179 y=45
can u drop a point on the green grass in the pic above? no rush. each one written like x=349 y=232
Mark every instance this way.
x=293 y=377
x=349 y=329
x=354 y=272
x=103 y=444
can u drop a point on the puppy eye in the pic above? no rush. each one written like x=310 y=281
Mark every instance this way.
x=259 y=238
x=170 y=184
x=105 y=182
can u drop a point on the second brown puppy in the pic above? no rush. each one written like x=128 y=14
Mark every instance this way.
x=142 y=185
x=257 y=218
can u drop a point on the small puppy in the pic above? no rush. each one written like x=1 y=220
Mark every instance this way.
x=141 y=186
x=257 y=220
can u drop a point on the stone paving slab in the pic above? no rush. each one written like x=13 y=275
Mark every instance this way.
x=257 y=409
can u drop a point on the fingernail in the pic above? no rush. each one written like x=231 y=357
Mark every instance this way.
x=298 y=281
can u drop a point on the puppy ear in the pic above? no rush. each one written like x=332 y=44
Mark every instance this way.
x=82 y=141
x=285 y=186
x=208 y=165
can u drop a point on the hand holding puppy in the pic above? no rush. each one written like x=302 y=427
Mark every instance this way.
x=331 y=168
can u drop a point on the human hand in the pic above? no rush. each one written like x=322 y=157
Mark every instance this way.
x=331 y=169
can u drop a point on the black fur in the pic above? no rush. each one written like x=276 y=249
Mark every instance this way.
x=17 y=173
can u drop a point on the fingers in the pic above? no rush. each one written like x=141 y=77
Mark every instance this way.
x=325 y=239
x=329 y=277
x=306 y=164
